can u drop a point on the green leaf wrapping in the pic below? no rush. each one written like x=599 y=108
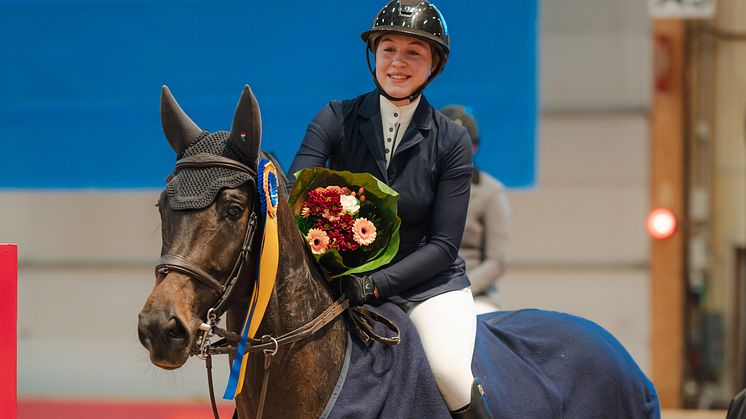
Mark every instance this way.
x=380 y=206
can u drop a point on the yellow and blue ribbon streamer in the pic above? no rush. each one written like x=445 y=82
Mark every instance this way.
x=266 y=274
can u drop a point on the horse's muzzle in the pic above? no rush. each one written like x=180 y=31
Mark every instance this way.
x=165 y=336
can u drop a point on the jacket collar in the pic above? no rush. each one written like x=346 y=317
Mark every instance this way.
x=370 y=106
x=422 y=117
x=422 y=121
x=372 y=131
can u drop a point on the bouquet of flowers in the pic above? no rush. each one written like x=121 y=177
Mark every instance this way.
x=348 y=219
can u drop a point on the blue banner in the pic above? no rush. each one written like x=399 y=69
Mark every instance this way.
x=80 y=80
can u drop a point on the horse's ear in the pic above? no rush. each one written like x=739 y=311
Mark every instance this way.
x=180 y=130
x=246 y=131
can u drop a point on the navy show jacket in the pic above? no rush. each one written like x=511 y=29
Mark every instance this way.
x=431 y=169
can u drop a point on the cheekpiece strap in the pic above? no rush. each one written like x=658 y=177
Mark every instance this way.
x=181 y=264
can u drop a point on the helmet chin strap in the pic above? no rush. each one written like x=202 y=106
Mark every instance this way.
x=412 y=97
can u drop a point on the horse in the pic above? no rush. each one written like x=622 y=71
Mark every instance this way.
x=533 y=363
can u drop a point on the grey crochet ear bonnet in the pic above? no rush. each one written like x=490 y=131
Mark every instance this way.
x=196 y=188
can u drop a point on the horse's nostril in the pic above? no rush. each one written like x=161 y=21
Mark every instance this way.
x=175 y=330
x=144 y=339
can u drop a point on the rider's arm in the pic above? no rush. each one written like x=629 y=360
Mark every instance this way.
x=318 y=143
x=446 y=227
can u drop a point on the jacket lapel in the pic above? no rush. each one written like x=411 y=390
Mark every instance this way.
x=371 y=130
x=421 y=122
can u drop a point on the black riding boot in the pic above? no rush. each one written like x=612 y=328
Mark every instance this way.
x=477 y=408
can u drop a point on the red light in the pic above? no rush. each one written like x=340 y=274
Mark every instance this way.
x=661 y=223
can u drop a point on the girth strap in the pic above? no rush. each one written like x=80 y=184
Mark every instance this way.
x=180 y=264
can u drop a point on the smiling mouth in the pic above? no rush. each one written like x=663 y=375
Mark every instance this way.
x=399 y=77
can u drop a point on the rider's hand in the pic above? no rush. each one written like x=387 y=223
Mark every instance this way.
x=358 y=289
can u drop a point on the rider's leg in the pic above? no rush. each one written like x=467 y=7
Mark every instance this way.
x=447 y=327
x=477 y=408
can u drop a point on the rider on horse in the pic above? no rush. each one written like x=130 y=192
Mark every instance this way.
x=396 y=135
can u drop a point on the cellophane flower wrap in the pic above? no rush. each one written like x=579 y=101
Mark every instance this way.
x=348 y=220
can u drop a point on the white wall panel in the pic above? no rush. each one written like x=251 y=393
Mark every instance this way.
x=592 y=196
x=88 y=228
x=595 y=54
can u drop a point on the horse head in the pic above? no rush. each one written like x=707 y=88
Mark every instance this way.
x=207 y=215
x=212 y=221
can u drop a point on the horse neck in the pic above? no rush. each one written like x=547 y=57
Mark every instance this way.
x=301 y=294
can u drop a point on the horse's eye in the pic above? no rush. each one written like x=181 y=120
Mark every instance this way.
x=235 y=211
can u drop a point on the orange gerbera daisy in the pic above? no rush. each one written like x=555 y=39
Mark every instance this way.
x=363 y=231
x=318 y=240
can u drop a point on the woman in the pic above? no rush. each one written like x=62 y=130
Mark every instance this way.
x=486 y=243
x=397 y=136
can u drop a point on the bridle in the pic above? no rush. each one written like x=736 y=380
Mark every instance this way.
x=179 y=263
x=203 y=348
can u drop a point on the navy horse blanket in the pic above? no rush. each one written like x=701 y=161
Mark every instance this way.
x=532 y=363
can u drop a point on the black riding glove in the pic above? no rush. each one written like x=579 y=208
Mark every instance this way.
x=358 y=289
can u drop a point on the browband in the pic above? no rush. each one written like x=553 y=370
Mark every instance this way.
x=205 y=160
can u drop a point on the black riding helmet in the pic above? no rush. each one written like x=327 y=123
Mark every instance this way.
x=418 y=18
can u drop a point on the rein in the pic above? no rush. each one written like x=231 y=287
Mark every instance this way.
x=360 y=317
x=268 y=345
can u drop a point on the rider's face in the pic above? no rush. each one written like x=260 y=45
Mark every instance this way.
x=403 y=63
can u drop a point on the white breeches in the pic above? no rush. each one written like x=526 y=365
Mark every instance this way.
x=447 y=326
x=485 y=304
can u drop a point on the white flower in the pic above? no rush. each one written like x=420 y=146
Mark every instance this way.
x=350 y=204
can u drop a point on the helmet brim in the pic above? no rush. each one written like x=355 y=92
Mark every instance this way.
x=398 y=30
